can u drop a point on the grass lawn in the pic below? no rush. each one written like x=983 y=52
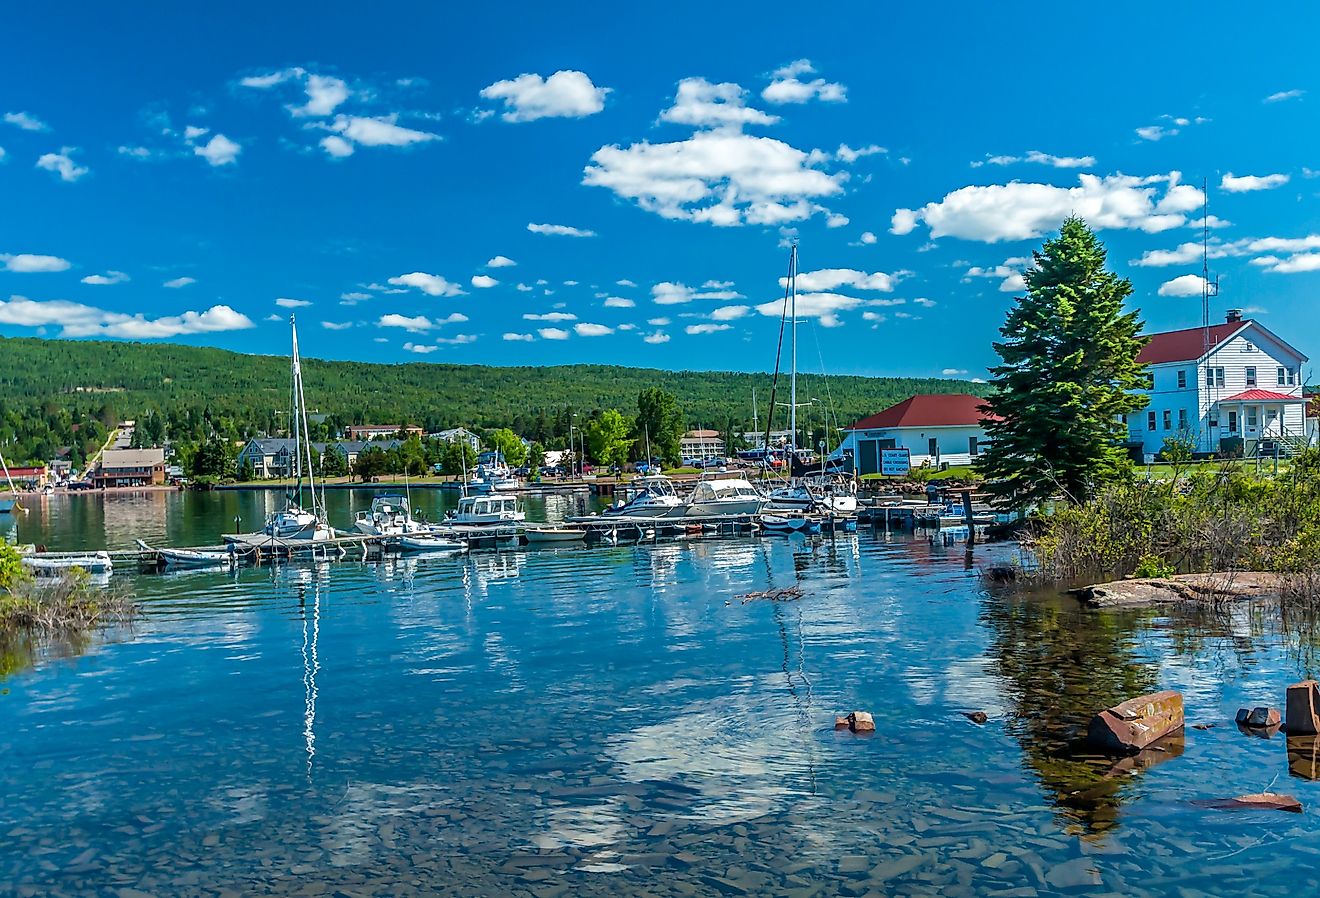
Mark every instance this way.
x=954 y=472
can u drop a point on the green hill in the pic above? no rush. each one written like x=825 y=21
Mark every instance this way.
x=48 y=386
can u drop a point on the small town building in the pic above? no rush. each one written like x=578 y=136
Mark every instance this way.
x=701 y=444
x=130 y=467
x=456 y=434
x=756 y=440
x=27 y=476
x=381 y=431
x=935 y=428
x=275 y=458
x=1231 y=387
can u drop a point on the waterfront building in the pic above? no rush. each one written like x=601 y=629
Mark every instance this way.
x=756 y=440
x=455 y=434
x=1231 y=387
x=269 y=458
x=701 y=444
x=381 y=431
x=935 y=428
x=130 y=467
x=28 y=477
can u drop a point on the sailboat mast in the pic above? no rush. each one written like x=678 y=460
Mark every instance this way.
x=305 y=446
x=792 y=377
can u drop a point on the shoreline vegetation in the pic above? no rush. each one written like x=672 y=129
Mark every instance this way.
x=58 y=606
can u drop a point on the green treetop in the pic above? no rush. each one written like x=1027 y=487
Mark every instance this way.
x=1069 y=372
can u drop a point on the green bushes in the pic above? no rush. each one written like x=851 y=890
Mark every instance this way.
x=1221 y=519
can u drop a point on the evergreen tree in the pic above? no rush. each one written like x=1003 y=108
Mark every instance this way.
x=1069 y=371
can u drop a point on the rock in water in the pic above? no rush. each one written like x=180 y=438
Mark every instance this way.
x=977 y=717
x=1263 y=801
x=857 y=721
x=1131 y=726
x=1303 y=705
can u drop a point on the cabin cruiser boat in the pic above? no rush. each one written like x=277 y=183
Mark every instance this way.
x=712 y=498
x=388 y=516
x=653 y=497
x=486 y=510
x=492 y=478
x=829 y=494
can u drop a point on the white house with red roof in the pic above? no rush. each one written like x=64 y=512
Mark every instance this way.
x=1227 y=382
x=933 y=427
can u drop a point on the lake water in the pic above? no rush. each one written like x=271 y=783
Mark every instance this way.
x=617 y=721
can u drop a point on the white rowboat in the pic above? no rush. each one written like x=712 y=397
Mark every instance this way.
x=554 y=535
x=92 y=562
x=191 y=558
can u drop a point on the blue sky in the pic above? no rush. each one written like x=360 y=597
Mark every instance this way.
x=509 y=184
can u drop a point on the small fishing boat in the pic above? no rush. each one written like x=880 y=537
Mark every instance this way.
x=554 y=535
x=92 y=562
x=787 y=524
x=191 y=558
x=429 y=542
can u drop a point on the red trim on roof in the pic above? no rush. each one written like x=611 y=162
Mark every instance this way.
x=1262 y=396
x=1186 y=345
x=928 y=410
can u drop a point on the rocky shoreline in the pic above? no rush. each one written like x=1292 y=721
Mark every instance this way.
x=1183 y=589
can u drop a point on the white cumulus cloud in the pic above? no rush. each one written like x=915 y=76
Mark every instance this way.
x=587 y=329
x=483 y=281
x=26 y=121
x=78 y=320
x=219 y=150
x=707 y=328
x=703 y=104
x=1020 y=211
x=822 y=306
x=553 y=333
x=787 y=86
x=430 y=284
x=618 y=302
x=31 y=263
x=102 y=280
x=500 y=262
x=721 y=177
x=522 y=338
x=730 y=313
x=1282 y=95
x=559 y=230
x=179 y=282
x=1248 y=183
x=1184 y=285
x=827 y=279
x=286 y=303
x=672 y=293
x=549 y=316
x=656 y=337
x=62 y=164
x=565 y=94
x=324 y=94
x=1038 y=157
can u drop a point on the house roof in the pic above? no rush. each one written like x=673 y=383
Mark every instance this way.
x=132 y=458
x=1186 y=345
x=701 y=434
x=928 y=410
x=1261 y=396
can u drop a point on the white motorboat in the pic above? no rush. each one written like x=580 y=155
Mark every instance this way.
x=554 y=535
x=830 y=494
x=191 y=558
x=653 y=497
x=92 y=562
x=388 y=516
x=486 y=510
x=712 y=498
x=430 y=542
x=493 y=478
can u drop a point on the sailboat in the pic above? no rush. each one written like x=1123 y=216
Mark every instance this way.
x=295 y=522
x=7 y=506
x=825 y=493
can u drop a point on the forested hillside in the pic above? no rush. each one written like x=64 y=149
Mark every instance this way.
x=47 y=387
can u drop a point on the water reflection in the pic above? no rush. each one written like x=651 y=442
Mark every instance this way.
x=1059 y=666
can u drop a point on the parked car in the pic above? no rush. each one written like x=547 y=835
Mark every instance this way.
x=648 y=467
x=522 y=471
x=714 y=463
x=552 y=471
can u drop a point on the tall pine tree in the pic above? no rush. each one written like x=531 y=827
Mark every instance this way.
x=1069 y=372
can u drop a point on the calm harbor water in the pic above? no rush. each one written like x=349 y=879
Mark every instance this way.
x=618 y=721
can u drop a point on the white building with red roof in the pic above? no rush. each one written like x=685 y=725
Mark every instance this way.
x=933 y=427
x=1220 y=384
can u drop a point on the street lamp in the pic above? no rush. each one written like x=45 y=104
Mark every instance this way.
x=572 y=449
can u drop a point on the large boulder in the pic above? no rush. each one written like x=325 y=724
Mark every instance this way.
x=1129 y=727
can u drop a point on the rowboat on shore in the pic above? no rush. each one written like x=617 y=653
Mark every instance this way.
x=191 y=558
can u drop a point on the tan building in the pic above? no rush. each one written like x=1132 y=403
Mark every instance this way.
x=701 y=444
x=379 y=431
x=130 y=467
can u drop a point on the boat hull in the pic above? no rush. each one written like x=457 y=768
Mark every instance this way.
x=93 y=563
x=555 y=536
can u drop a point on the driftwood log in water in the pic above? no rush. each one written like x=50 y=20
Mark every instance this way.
x=1192 y=589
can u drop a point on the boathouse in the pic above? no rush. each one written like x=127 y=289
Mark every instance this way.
x=935 y=428
x=1232 y=387
x=130 y=467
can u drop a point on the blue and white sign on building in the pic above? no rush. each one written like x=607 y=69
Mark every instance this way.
x=895 y=462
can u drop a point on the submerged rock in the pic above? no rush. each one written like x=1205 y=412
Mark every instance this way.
x=1182 y=589
x=857 y=721
x=977 y=717
x=1264 y=801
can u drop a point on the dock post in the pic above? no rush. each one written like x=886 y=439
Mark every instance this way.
x=970 y=518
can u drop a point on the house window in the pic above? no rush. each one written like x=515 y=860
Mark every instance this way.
x=1150 y=420
x=1232 y=422
x=1251 y=375
x=972 y=448
x=1168 y=420
x=1182 y=380
x=1214 y=377
x=1214 y=422
x=1182 y=419
x=1292 y=377
x=1253 y=415
x=1279 y=374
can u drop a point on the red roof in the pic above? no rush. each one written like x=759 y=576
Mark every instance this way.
x=1186 y=345
x=928 y=410
x=1261 y=396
